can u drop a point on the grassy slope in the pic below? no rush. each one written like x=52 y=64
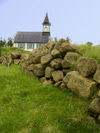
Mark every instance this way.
x=28 y=107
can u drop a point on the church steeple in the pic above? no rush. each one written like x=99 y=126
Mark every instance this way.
x=46 y=25
x=46 y=20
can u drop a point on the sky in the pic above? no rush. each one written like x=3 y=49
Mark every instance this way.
x=78 y=19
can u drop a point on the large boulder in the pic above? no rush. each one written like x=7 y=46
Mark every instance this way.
x=48 y=72
x=67 y=77
x=50 y=45
x=87 y=66
x=16 y=54
x=38 y=70
x=56 y=63
x=24 y=57
x=34 y=59
x=30 y=67
x=24 y=61
x=41 y=51
x=71 y=57
x=57 y=75
x=45 y=60
x=35 y=56
x=94 y=107
x=66 y=64
x=66 y=47
x=97 y=74
x=55 y=53
x=80 y=85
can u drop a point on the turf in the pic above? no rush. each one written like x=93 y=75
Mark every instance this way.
x=28 y=107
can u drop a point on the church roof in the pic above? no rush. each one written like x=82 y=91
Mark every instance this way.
x=30 y=37
x=46 y=20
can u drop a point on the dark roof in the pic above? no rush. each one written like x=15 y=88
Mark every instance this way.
x=46 y=20
x=30 y=37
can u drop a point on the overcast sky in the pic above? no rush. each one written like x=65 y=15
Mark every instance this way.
x=78 y=19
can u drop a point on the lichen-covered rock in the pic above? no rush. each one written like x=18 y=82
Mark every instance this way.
x=34 y=59
x=55 y=53
x=48 y=72
x=35 y=56
x=47 y=82
x=71 y=57
x=94 y=107
x=87 y=66
x=30 y=67
x=56 y=63
x=66 y=64
x=57 y=75
x=45 y=60
x=65 y=47
x=4 y=60
x=50 y=45
x=24 y=61
x=80 y=85
x=67 y=77
x=24 y=57
x=38 y=70
x=9 y=59
x=16 y=54
x=97 y=75
x=16 y=61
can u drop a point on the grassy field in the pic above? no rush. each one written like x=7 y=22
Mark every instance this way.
x=28 y=107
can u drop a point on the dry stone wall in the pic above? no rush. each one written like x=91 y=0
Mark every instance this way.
x=53 y=64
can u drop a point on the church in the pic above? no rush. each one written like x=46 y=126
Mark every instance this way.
x=32 y=40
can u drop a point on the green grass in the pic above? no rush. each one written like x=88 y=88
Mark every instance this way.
x=5 y=50
x=89 y=51
x=28 y=107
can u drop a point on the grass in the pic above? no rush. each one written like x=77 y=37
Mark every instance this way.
x=5 y=50
x=90 y=51
x=28 y=107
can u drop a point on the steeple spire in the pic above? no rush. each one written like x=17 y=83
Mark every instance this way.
x=46 y=20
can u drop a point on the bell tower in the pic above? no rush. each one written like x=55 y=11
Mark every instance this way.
x=46 y=25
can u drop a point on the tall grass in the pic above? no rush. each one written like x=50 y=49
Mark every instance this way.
x=89 y=51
